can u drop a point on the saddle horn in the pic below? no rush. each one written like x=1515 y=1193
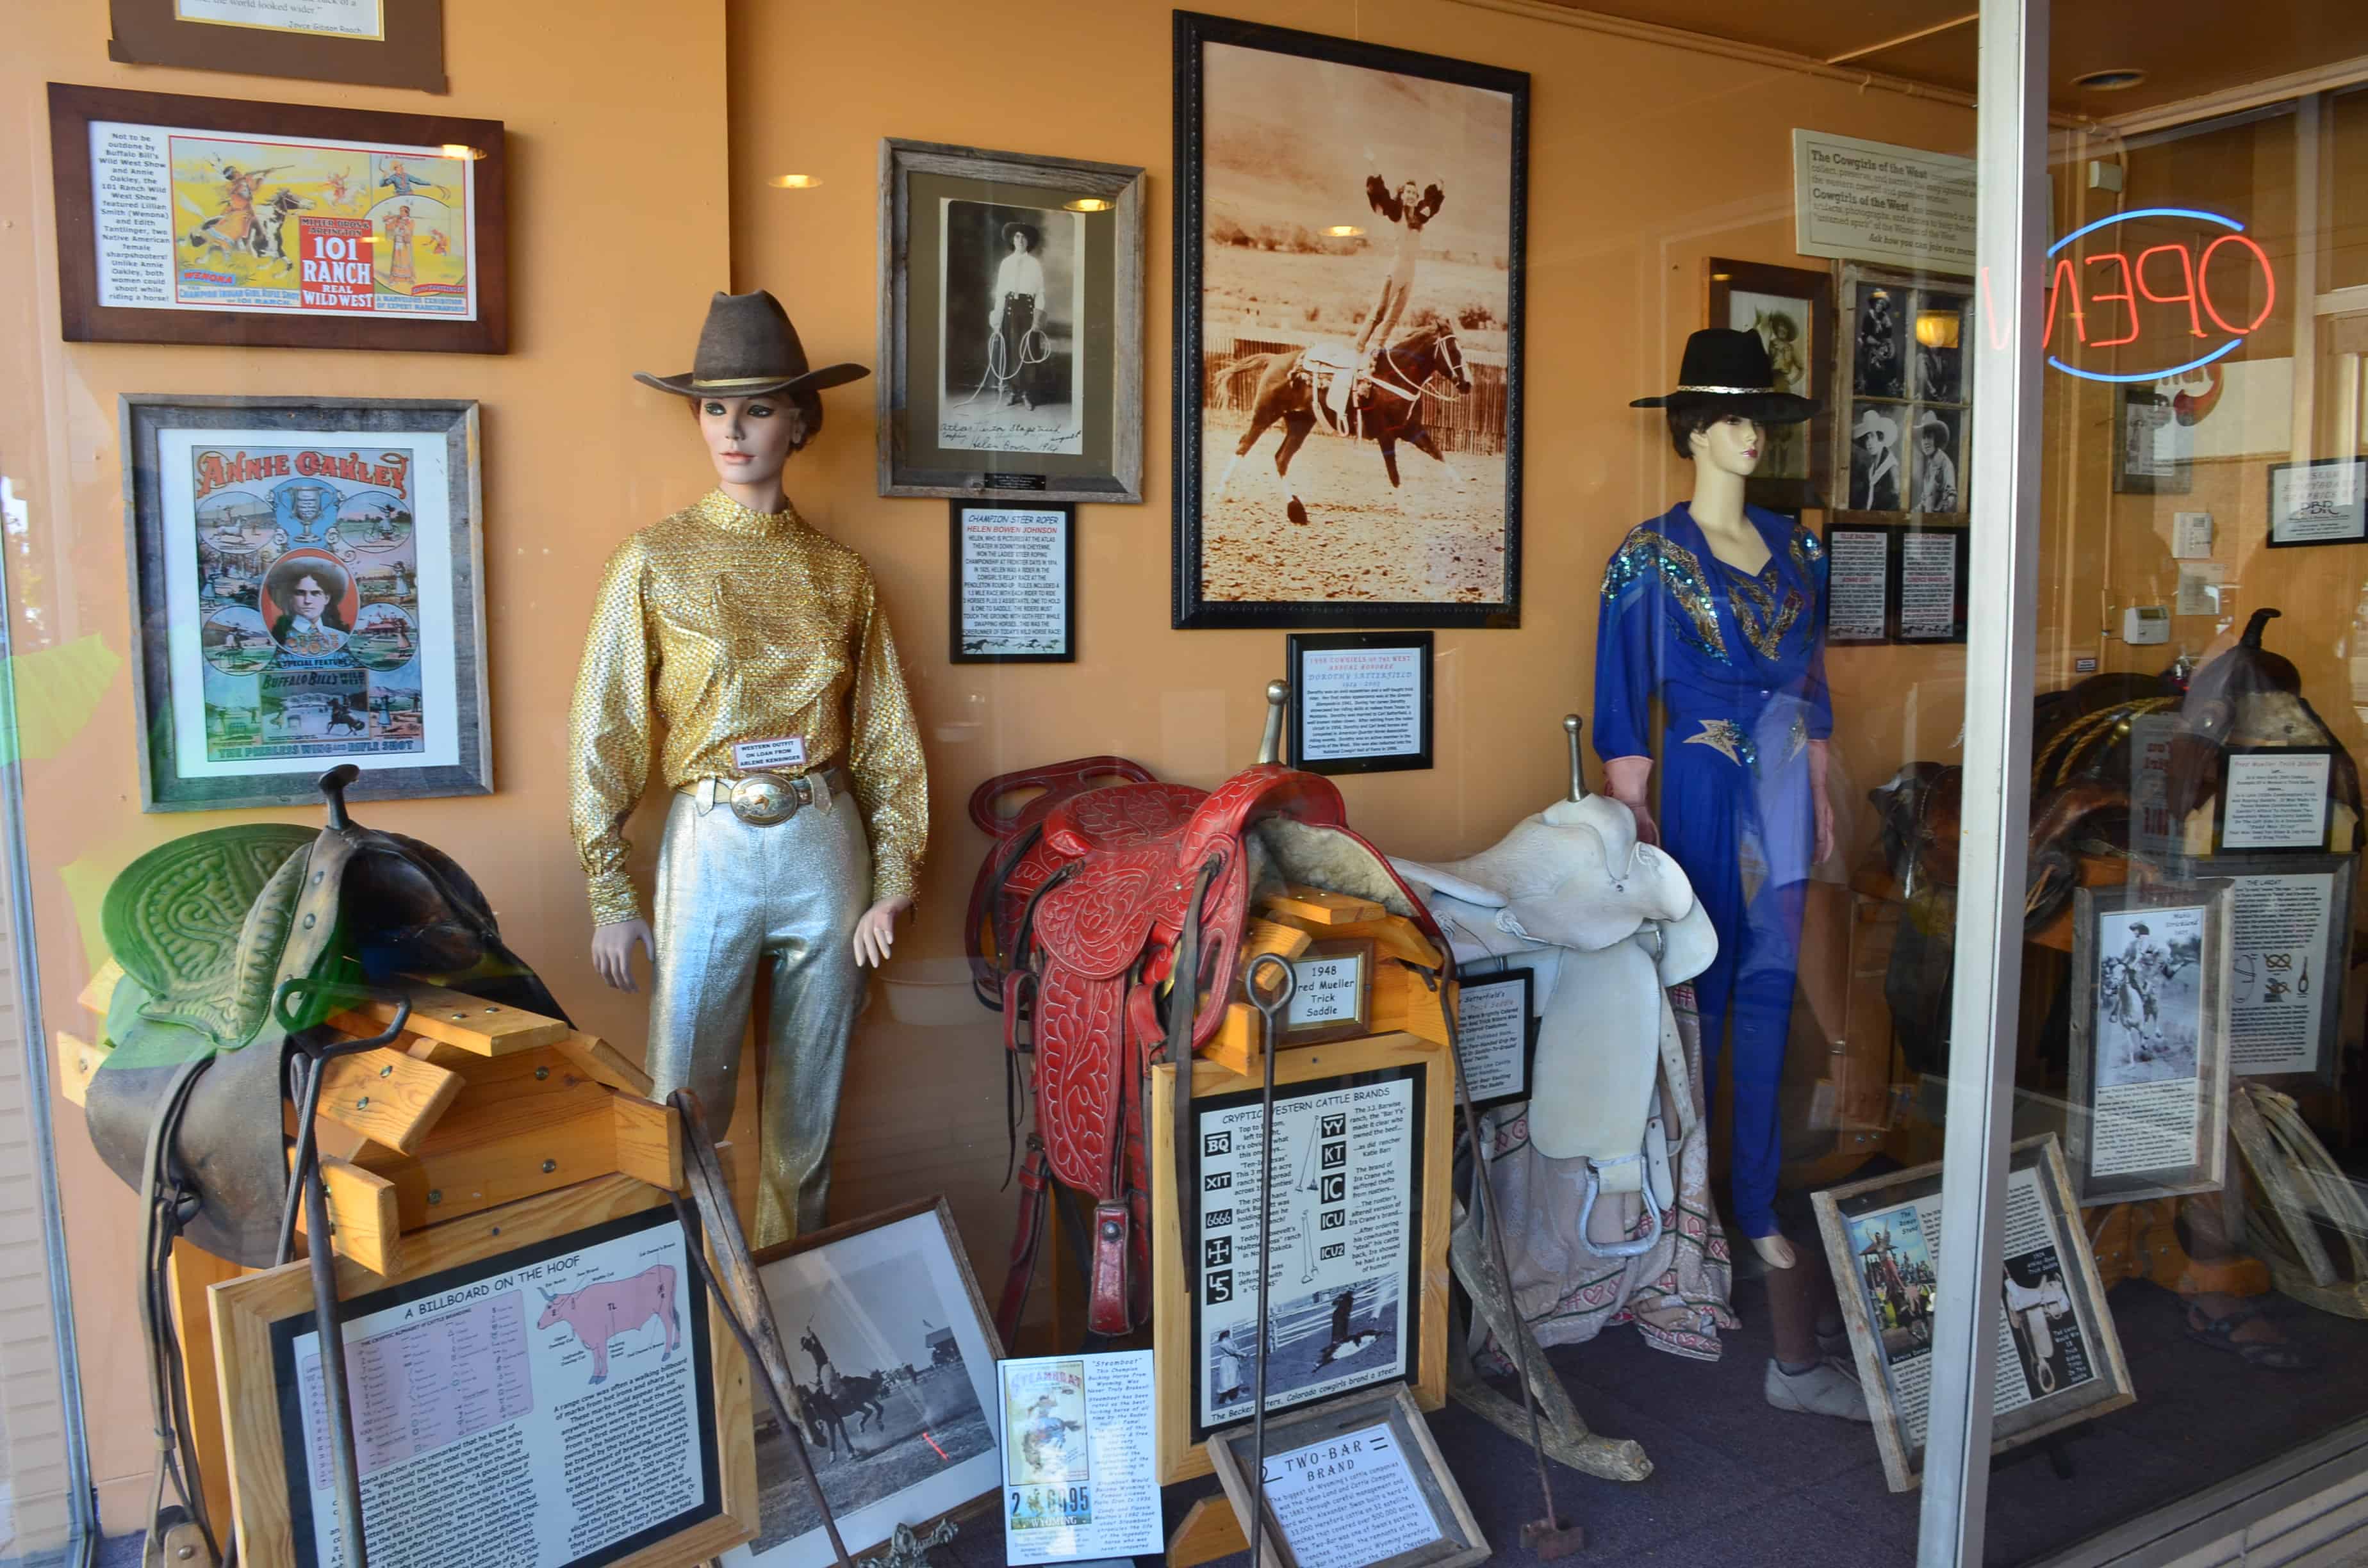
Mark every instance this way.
x=1278 y=693
x=333 y=786
x=1573 y=726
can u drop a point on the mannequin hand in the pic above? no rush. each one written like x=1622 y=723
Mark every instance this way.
x=875 y=934
x=612 y=951
x=1624 y=779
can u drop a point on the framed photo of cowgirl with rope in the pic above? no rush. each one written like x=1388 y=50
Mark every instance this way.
x=1010 y=326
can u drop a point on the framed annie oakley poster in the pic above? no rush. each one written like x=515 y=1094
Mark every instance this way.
x=187 y=220
x=306 y=576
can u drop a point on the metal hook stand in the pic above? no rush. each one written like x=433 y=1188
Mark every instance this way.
x=1271 y=1010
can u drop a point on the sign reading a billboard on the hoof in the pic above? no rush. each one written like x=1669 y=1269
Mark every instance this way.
x=1340 y=1263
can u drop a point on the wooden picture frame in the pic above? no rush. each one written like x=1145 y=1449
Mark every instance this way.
x=257 y=1320
x=2340 y=515
x=1335 y=1428
x=1318 y=986
x=1330 y=710
x=225 y=499
x=205 y=282
x=2140 y=1019
x=1889 y=381
x=1261 y=281
x=1791 y=308
x=2137 y=413
x=1491 y=1079
x=943 y=211
x=2093 y=1376
x=885 y=1274
x=408 y=50
x=2317 y=975
x=1183 y=1452
x=1003 y=550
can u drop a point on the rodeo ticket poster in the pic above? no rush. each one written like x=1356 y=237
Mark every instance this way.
x=307 y=593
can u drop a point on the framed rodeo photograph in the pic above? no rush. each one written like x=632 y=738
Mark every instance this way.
x=1350 y=222
x=2059 y=1356
x=186 y=219
x=893 y=1356
x=1010 y=326
x=307 y=588
x=2150 y=1023
x=1792 y=308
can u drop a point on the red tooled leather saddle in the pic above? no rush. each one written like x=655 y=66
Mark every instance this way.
x=1097 y=894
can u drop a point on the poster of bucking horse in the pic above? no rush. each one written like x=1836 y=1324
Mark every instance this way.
x=1349 y=236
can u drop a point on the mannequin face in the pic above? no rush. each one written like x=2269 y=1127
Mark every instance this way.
x=749 y=438
x=1731 y=446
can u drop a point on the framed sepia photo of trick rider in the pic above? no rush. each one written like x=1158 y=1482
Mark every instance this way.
x=1010 y=326
x=1350 y=228
x=306 y=589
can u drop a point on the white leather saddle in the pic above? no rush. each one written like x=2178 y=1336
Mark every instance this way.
x=1606 y=924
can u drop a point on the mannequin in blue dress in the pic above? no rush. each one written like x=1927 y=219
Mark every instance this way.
x=1718 y=608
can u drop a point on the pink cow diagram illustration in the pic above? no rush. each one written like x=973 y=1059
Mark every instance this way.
x=599 y=1313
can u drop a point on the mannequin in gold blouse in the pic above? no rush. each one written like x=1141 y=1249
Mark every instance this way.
x=752 y=653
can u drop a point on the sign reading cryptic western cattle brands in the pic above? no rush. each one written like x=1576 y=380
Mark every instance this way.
x=538 y=1408
x=310 y=586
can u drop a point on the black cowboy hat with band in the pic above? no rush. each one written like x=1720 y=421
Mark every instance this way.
x=747 y=349
x=1726 y=369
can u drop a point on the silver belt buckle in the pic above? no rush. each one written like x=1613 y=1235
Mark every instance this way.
x=763 y=799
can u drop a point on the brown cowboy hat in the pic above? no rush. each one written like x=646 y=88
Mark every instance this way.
x=748 y=348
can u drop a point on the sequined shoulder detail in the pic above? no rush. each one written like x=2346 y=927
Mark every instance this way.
x=1646 y=553
x=1807 y=550
x=1762 y=616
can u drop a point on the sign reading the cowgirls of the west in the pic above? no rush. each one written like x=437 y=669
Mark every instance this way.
x=308 y=597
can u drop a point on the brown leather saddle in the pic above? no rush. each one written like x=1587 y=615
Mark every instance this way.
x=1100 y=893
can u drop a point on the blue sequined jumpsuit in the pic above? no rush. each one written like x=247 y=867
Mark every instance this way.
x=1739 y=664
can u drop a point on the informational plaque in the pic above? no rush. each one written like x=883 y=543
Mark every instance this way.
x=1872 y=201
x=1931 y=586
x=2324 y=501
x=324 y=19
x=1858 y=585
x=2274 y=800
x=1349 y=1501
x=2281 y=979
x=1012 y=600
x=1360 y=702
x=542 y=1408
x=1494 y=1036
x=1331 y=991
x=1343 y=1251
x=1079 y=1445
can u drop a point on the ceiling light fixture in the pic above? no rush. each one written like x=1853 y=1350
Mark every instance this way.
x=1087 y=204
x=794 y=182
x=1344 y=231
x=460 y=150
x=2112 y=81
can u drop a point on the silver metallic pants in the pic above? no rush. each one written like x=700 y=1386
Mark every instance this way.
x=731 y=897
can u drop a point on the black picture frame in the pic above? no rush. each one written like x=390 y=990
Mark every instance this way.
x=2228 y=756
x=960 y=636
x=1887 y=537
x=1904 y=540
x=1523 y=983
x=1299 y=644
x=2355 y=528
x=2129 y=404
x=145 y=421
x=1474 y=430
x=2330 y=962
x=1812 y=289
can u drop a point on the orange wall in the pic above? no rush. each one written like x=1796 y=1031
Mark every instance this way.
x=624 y=119
x=618 y=223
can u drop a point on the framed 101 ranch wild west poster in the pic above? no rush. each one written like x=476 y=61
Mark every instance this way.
x=210 y=220
x=1349 y=223
x=306 y=582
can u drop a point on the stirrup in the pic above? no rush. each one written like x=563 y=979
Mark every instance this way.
x=1637 y=1248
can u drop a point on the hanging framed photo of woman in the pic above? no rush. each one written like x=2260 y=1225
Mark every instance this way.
x=1010 y=326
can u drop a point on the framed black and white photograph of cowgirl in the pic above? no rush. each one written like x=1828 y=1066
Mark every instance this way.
x=1010 y=326
x=1350 y=227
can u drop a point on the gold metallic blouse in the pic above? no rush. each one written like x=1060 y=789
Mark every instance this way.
x=728 y=626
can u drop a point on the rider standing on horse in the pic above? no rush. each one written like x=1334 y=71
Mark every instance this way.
x=825 y=1374
x=1409 y=210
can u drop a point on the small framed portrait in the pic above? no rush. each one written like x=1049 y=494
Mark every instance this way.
x=893 y=1354
x=1496 y=1034
x=1883 y=1242
x=1360 y=702
x=2151 y=1015
x=1940 y=358
x=2154 y=448
x=1879 y=342
x=1010 y=326
x=1357 y=1481
x=1011 y=583
x=1792 y=308
x=2324 y=501
x=1877 y=472
x=307 y=576
x=1935 y=447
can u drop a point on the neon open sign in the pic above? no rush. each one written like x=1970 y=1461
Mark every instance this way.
x=2185 y=275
